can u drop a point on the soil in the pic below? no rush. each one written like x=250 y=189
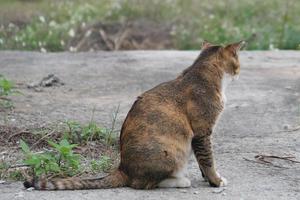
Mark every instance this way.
x=261 y=116
x=133 y=35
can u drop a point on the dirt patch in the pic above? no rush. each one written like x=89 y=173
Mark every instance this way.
x=12 y=167
x=141 y=34
x=37 y=138
x=10 y=137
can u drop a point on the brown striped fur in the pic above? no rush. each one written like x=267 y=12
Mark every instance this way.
x=164 y=125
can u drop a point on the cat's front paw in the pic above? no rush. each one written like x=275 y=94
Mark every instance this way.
x=217 y=181
x=223 y=181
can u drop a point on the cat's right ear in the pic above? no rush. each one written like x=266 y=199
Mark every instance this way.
x=235 y=47
x=205 y=45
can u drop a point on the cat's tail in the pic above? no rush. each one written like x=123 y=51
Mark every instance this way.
x=113 y=180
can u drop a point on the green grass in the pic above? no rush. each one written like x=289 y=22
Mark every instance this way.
x=104 y=163
x=274 y=21
x=6 y=89
x=81 y=134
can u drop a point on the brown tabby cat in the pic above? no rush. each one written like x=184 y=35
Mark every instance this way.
x=165 y=124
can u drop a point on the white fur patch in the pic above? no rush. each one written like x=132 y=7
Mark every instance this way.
x=181 y=182
x=180 y=173
x=224 y=182
x=225 y=82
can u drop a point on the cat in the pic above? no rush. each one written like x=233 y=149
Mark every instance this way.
x=165 y=125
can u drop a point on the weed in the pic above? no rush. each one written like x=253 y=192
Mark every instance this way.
x=103 y=164
x=3 y=168
x=73 y=132
x=68 y=161
x=16 y=175
x=81 y=134
x=6 y=86
x=6 y=89
x=112 y=133
x=92 y=131
x=61 y=160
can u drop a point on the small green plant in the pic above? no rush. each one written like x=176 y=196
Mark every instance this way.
x=16 y=175
x=78 y=133
x=93 y=132
x=6 y=89
x=67 y=160
x=11 y=173
x=3 y=168
x=103 y=164
x=6 y=86
x=73 y=132
x=61 y=160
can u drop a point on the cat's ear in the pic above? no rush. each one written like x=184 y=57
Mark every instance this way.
x=236 y=46
x=205 y=45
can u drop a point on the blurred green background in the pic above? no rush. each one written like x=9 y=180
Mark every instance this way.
x=87 y=25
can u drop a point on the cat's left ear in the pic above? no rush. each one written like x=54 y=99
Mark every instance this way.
x=236 y=46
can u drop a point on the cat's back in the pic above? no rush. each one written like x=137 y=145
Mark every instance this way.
x=158 y=110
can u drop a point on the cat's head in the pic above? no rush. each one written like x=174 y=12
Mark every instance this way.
x=225 y=56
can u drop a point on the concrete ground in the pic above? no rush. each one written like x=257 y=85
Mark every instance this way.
x=262 y=111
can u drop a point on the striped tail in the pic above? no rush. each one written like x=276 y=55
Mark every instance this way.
x=113 y=180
